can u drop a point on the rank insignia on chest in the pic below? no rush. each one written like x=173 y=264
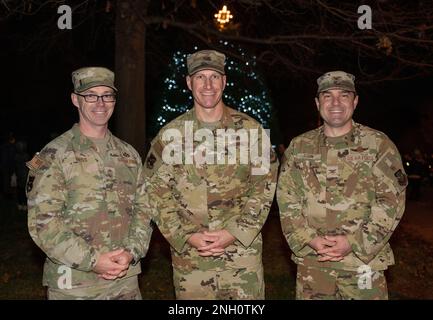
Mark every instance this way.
x=331 y=172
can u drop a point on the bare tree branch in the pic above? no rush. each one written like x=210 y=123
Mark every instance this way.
x=297 y=36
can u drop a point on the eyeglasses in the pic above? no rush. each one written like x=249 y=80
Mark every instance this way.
x=95 y=97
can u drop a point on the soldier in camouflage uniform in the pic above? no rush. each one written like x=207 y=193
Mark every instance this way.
x=83 y=193
x=211 y=214
x=341 y=194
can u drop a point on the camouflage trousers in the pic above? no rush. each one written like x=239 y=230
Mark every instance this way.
x=230 y=284
x=314 y=283
x=121 y=289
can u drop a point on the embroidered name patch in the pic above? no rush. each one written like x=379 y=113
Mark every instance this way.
x=360 y=157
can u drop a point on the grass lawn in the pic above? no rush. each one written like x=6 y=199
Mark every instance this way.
x=21 y=263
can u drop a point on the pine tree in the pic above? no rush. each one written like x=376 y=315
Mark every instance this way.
x=245 y=90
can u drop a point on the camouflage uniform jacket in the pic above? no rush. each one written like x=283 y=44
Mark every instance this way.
x=195 y=197
x=352 y=185
x=81 y=205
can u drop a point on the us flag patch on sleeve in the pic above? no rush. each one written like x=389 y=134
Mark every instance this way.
x=35 y=163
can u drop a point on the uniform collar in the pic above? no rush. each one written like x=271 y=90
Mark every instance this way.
x=81 y=142
x=351 y=138
x=226 y=121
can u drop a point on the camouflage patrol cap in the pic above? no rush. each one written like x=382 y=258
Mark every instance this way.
x=86 y=78
x=206 y=59
x=336 y=80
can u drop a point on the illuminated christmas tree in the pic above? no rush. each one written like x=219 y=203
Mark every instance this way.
x=245 y=90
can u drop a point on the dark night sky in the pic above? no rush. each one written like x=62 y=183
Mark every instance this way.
x=36 y=85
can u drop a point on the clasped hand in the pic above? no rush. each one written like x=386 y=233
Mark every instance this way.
x=331 y=248
x=211 y=243
x=113 y=264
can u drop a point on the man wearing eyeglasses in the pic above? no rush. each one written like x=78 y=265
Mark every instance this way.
x=82 y=197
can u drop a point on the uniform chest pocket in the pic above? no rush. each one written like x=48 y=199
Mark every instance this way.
x=83 y=178
x=310 y=168
x=84 y=189
x=308 y=162
x=359 y=162
x=122 y=184
x=356 y=173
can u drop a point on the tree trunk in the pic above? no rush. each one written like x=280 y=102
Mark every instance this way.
x=130 y=114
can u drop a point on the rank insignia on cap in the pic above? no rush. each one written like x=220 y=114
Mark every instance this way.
x=35 y=163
